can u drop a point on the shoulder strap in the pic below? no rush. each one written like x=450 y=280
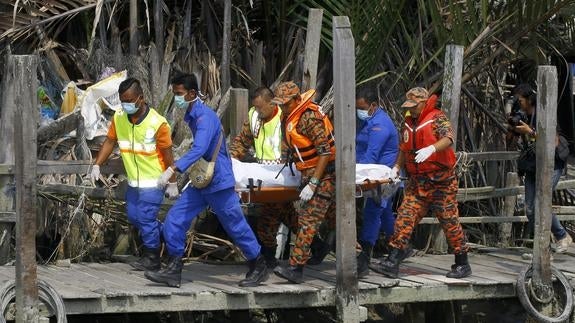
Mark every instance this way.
x=215 y=153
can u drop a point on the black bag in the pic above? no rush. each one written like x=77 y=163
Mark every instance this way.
x=526 y=163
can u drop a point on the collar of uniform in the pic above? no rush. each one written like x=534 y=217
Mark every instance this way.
x=142 y=117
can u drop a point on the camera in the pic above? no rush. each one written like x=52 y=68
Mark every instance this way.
x=516 y=115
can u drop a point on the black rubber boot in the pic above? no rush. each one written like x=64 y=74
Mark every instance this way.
x=258 y=272
x=150 y=260
x=319 y=250
x=292 y=273
x=269 y=254
x=171 y=275
x=461 y=267
x=390 y=265
x=363 y=259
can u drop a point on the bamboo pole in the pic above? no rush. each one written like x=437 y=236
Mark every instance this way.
x=226 y=47
x=344 y=101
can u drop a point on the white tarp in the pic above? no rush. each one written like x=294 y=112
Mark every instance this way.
x=101 y=94
x=267 y=174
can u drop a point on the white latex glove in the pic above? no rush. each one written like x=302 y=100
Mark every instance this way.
x=424 y=153
x=95 y=174
x=394 y=175
x=165 y=177
x=172 y=191
x=307 y=192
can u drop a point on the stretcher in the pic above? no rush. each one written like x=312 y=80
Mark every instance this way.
x=256 y=183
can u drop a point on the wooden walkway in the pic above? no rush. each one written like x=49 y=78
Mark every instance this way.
x=114 y=288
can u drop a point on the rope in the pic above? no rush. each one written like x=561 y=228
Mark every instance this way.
x=46 y=293
x=462 y=165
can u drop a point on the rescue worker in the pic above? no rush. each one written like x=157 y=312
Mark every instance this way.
x=308 y=134
x=262 y=133
x=376 y=142
x=219 y=194
x=427 y=155
x=145 y=142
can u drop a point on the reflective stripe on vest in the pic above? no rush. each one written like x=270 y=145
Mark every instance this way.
x=304 y=151
x=267 y=138
x=137 y=142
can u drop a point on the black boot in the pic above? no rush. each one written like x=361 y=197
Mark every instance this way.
x=150 y=260
x=363 y=259
x=319 y=250
x=258 y=272
x=171 y=275
x=390 y=265
x=461 y=267
x=269 y=254
x=292 y=273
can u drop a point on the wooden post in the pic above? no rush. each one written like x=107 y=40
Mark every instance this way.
x=452 y=85
x=133 y=27
x=26 y=119
x=9 y=83
x=238 y=110
x=545 y=147
x=312 y=42
x=257 y=62
x=159 y=30
x=226 y=82
x=508 y=209
x=450 y=104
x=344 y=102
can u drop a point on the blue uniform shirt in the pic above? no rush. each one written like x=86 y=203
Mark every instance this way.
x=376 y=140
x=206 y=129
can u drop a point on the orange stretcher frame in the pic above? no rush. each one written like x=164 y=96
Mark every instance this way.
x=288 y=194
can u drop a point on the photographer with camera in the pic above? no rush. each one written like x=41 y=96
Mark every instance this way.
x=522 y=124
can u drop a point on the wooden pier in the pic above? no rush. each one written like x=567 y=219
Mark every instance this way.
x=94 y=288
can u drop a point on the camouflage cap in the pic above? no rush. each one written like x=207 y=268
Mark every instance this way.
x=285 y=92
x=414 y=96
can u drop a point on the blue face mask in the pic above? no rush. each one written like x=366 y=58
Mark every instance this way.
x=181 y=102
x=129 y=107
x=362 y=114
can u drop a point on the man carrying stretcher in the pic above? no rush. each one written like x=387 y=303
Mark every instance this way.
x=262 y=132
x=308 y=134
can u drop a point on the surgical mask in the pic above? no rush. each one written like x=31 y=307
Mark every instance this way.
x=362 y=114
x=181 y=102
x=129 y=107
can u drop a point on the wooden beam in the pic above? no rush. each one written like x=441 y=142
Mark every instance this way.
x=257 y=64
x=347 y=302
x=159 y=30
x=59 y=127
x=545 y=147
x=508 y=209
x=499 y=218
x=133 y=29
x=112 y=166
x=238 y=110
x=7 y=151
x=226 y=47
x=491 y=155
x=451 y=94
x=26 y=121
x=312 y=43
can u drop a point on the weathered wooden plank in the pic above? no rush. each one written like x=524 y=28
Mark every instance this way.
x=238 y=110
x=112 y=166
x=133 y=28
x=451 y=94
x=545 y=147
x=59 y=127
x=26 y=119
x=344 y=102
x=312 y=44
x=427 y=269
x=65 y=285
x=508 y=209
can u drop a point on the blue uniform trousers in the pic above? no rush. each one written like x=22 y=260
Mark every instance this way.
x=225 y=204
x=377 y=217
x=142 y=206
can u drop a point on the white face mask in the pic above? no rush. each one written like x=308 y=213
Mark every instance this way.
x=181 y=102
x=362 y=114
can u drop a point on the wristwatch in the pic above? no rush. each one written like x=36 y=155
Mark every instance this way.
x=314 y=181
